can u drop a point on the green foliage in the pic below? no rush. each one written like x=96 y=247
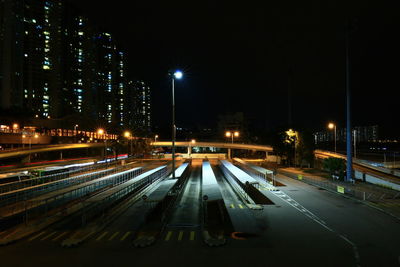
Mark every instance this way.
x=335 y=166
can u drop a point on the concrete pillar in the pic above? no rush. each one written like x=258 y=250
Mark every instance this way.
x=229 y=153
x=266 y=155
x=189 y=151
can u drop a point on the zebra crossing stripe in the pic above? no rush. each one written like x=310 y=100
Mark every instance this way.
x=101 y=236
x=48 y=236
x=114 y=235
x=36 y=236
x=192 y=235
x=180 y=235
x=169 y=234
x=59 y=236
x=125 y=236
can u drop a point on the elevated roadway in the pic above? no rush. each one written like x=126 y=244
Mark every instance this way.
x=42 y=149
x=362 y=166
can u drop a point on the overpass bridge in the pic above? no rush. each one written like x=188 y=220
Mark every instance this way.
x=189 y=145
x=264 y=148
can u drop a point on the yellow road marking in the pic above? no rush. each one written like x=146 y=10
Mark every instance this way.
x=232 y=206
x=125 y=236
x=36 y=236
x=114 y=235
x=192 y=235
x=240 y=206
x=59 y=236
x=168 y=236
x=180 y=235
x=101 y=236
x=47 y=236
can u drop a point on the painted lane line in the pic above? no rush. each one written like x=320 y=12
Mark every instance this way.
x=125 y=236
x=101 y=236
x=59 y=236
x=168 y=237
x=240 y=206
x=36 y=236
x=114 y=235
x=192 y=233
x=323 y=224
x=180 y=235
x=232 y=206
x=48 y=236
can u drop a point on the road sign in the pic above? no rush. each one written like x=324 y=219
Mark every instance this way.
x=300 y=177
x=340 y=189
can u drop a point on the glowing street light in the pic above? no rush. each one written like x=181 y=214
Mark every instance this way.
x=332 y=126
x=128 y=135
x=232 y=134
x=177 y=75
x=193 y=141
x=100 y=131
x=155 y=138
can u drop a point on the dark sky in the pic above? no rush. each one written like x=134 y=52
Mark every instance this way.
x=242 y=55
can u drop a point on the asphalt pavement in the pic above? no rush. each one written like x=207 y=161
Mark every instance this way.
x=305 y=226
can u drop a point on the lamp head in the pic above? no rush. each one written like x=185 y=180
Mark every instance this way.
x=178 y=74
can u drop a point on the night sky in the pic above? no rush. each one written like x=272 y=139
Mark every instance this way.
x=243 y=55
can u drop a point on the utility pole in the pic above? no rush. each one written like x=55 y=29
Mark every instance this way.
x=349 y=171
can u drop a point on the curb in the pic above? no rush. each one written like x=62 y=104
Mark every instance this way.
x=348 y=197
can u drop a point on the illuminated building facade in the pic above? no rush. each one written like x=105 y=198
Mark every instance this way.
x=55 y=64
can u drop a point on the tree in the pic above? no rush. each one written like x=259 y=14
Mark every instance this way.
x=335 y=167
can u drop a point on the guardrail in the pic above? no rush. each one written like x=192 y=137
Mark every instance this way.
x=256 y=171
x=342 y=188
x=99 y=203
x=48 y=178
x=240 y=184
x=26 y=193
x=42 y=205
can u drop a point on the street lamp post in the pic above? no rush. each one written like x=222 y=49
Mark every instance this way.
x=101 y=132
x=177 y=75
x=192 y=142
x=30 y=142
x=232 y=134
x=333 y=126
x=75 y=133
x=155 y=138
x=128 y=135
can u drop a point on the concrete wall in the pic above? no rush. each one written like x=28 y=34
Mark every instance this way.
x=376 y=180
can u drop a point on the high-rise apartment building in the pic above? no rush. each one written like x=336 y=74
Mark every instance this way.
x=55 y=64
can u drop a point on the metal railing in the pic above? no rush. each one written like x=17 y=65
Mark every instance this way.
x=12 y=186
x=342 y=188
x=26 y=193
x=112 y=196
x=42 y=205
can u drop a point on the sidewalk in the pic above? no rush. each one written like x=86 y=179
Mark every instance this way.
x=384 y=199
